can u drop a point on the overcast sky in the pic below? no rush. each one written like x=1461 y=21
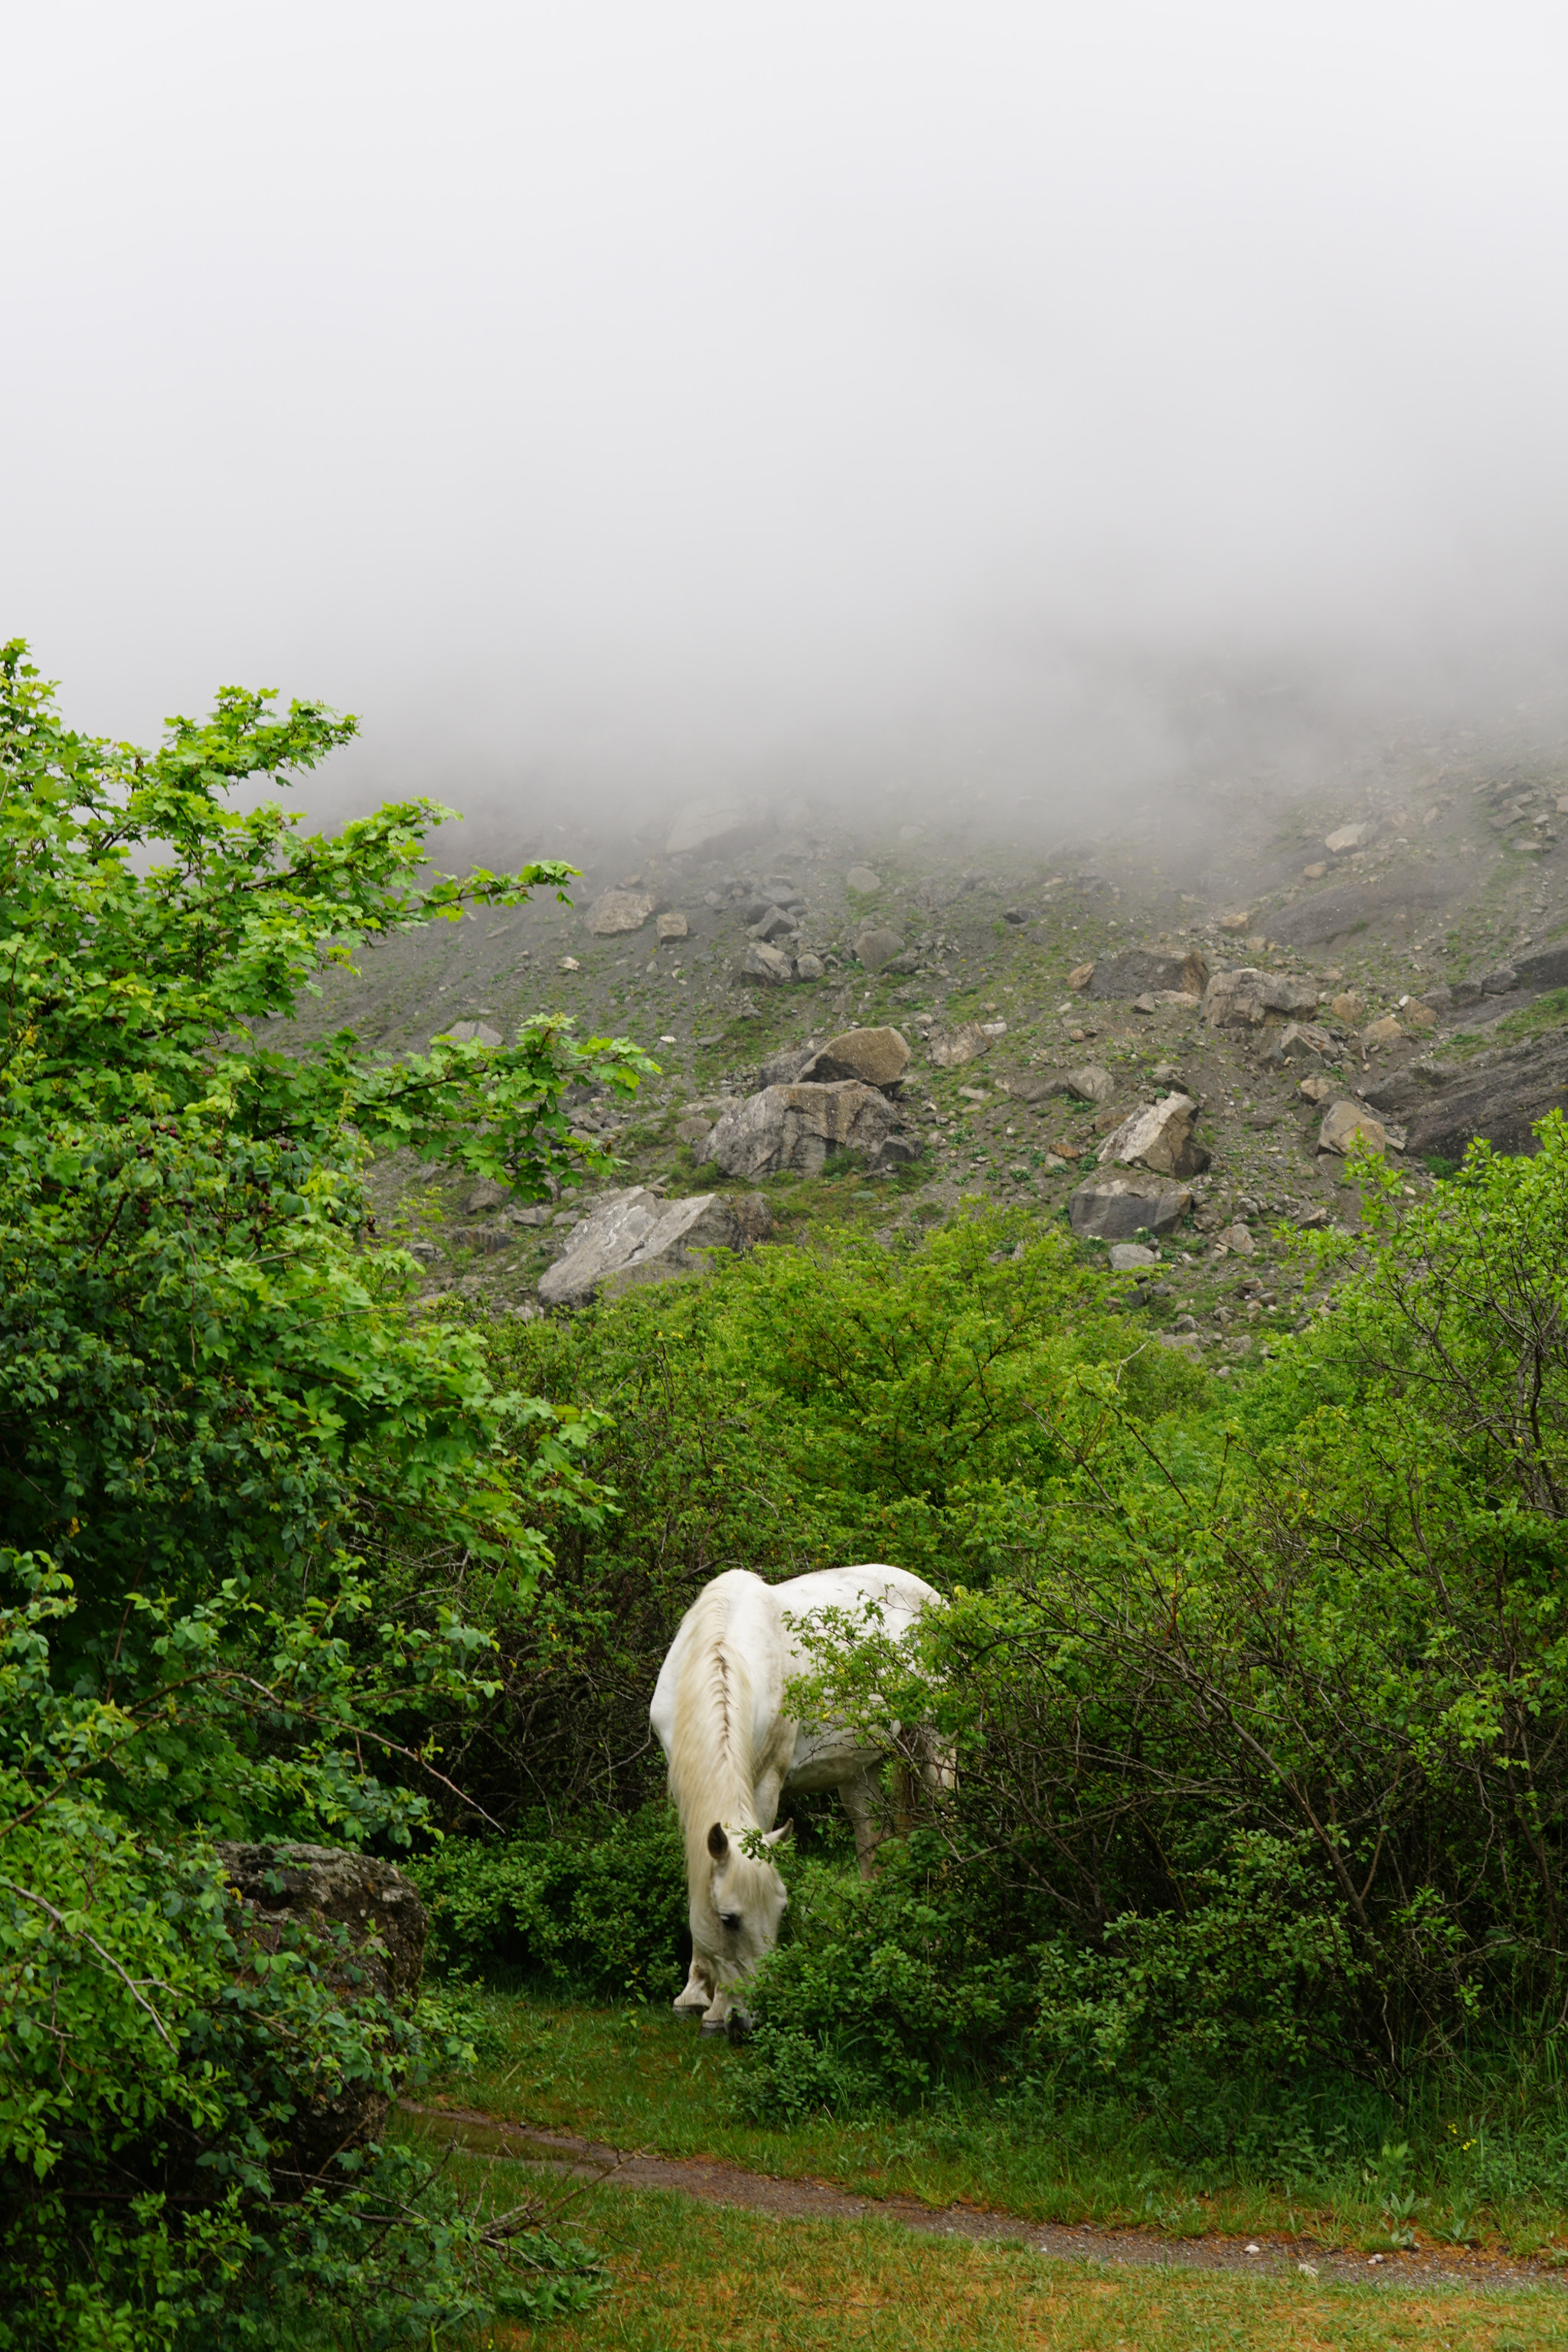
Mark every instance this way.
x=671 y=395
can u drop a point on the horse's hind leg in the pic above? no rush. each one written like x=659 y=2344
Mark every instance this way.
x=860 y=1799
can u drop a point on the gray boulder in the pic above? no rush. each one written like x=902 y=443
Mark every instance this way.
x=764 y=962
x=878 y=1057
x=617 y=911
x=634 y=1236
x=950 y=1049
x=1159 y=1137
x=486 y=1194
x=1131 y=1257
x=1029 y=1085
x=796 y=1127
x=1114 y=1208
x=877 y=944
x=1239 y=997
x=1088 y=1083
x=1139 y=970
x=785 y=1066
x=1547 y=967
x=472 y=1032
x=712 y=824
x=1301 y=1044
x=772 y=925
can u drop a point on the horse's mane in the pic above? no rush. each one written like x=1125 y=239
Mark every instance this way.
x=711 y=1753
x=712 y=1774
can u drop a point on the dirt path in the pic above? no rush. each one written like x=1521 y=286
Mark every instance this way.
x=714 y=2183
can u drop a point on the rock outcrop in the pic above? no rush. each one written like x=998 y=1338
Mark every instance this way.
x=1394 y=902
x=367 y=1924
x=1159 y=1137
x=635 y=1236
x=1239 y=997
x=1149 y=970
x=797 y=1127
x=1114 y=1208
x=1498 y=1096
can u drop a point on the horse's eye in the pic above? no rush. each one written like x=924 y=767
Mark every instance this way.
x=731 y=1919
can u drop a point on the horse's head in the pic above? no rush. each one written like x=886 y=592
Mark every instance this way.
x=748 y=1899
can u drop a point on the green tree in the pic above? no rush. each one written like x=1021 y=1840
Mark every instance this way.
x=217 y=1407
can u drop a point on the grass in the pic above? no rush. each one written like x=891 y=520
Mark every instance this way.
x=637 y=2077
x=684 y=2277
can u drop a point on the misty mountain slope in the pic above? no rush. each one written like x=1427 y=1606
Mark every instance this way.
x=1446 y=881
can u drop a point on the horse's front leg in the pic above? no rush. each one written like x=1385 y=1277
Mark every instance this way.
x=697 y=1993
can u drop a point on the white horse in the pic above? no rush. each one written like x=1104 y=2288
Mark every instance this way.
x=719 y=1711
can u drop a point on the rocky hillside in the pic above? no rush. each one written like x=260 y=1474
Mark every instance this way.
x=1197 y=1017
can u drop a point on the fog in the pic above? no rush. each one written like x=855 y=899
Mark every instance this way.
x=620 y=405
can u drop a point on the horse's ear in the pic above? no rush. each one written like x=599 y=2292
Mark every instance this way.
x=777 y=1837
x=718 y=1844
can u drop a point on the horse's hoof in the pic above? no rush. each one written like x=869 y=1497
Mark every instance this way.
x=715 y=2025
x=737 y=2025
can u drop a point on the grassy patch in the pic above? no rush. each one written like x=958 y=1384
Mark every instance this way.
x=639 y=2077
x=1548 y=1012
x=688 y=2275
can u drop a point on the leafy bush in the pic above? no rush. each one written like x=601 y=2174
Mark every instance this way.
x=596 y=1906
x=1263 y=1742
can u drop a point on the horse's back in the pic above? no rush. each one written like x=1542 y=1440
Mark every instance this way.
x=852 y=1594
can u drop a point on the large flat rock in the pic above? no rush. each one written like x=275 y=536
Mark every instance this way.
x=712 y=824
x=1499 y=1095
x=635 y=1236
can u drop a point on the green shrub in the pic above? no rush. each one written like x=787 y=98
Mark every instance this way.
x=598 y=1907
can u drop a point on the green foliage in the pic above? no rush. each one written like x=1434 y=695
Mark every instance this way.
x=234 y=1467
x=594 y=1906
